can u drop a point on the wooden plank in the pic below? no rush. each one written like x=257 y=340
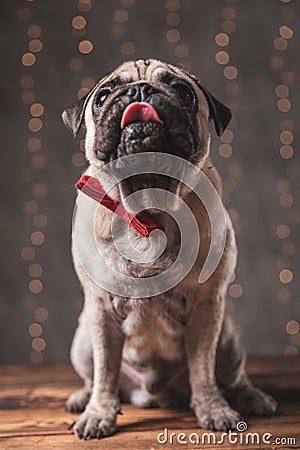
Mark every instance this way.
x=49 y=429
x=44 y=374
x=32 y=415
x=139 y=430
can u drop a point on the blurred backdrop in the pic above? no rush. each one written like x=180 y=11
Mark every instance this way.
x=246 y=53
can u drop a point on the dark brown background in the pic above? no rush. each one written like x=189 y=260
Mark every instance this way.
x=260 y=184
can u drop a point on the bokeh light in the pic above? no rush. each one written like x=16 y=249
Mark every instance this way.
x=121 y=16
x=231 y=72
x=41 y=314
x=28 y=59
x=128 y=48
x=222 y=39
x=85 y=47
x=34 y=31
x=37 y=238
x=292 y=327
x=28 y=253
x=35 y=330
x=286 y=276
x=235 y=291
x=78 y=22
x=35 y=286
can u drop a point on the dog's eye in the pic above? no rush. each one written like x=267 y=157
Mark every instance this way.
x=185 y=92
x=101 y=97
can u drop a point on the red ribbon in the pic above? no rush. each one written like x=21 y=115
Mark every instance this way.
x=92 y=187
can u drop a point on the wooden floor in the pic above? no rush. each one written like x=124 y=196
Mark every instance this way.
x=32 y=412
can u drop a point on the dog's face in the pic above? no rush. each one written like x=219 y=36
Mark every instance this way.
x=146 y=106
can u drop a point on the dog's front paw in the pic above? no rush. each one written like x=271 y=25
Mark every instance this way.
x=253 y=401
x=215 y=414
x=96 y=421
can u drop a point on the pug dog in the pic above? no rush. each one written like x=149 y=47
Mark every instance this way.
x=180 y=346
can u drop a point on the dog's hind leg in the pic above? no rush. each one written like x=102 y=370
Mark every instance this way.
x=232 y=377
x=82 y=361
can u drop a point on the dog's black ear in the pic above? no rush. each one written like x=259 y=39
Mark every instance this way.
x=73 y=116
x=220 y=114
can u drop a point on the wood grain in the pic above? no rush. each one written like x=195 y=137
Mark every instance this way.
x=32 y=412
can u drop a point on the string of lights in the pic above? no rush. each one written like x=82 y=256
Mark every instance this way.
x=32 y=207
x=173 y=34
x=120 y=29
x=83 y=47
x=279 y=63
x=226 y=148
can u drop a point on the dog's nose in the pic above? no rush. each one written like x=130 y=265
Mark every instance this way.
x=140 y=92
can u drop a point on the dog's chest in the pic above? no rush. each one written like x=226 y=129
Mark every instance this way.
x=153 y=328
x=133 y=255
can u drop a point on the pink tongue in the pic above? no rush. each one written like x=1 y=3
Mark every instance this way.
x=139 y=112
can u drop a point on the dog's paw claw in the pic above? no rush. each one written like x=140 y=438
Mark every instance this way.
x=215 y=414
x=99 y=434
x=222 y=419
x=95 y=424
x=207 y=423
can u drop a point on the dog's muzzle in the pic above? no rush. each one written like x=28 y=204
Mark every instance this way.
x=141 y=124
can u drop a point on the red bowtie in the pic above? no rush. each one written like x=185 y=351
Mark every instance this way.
x=92 y=187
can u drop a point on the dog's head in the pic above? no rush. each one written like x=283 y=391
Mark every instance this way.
x=147 y=106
